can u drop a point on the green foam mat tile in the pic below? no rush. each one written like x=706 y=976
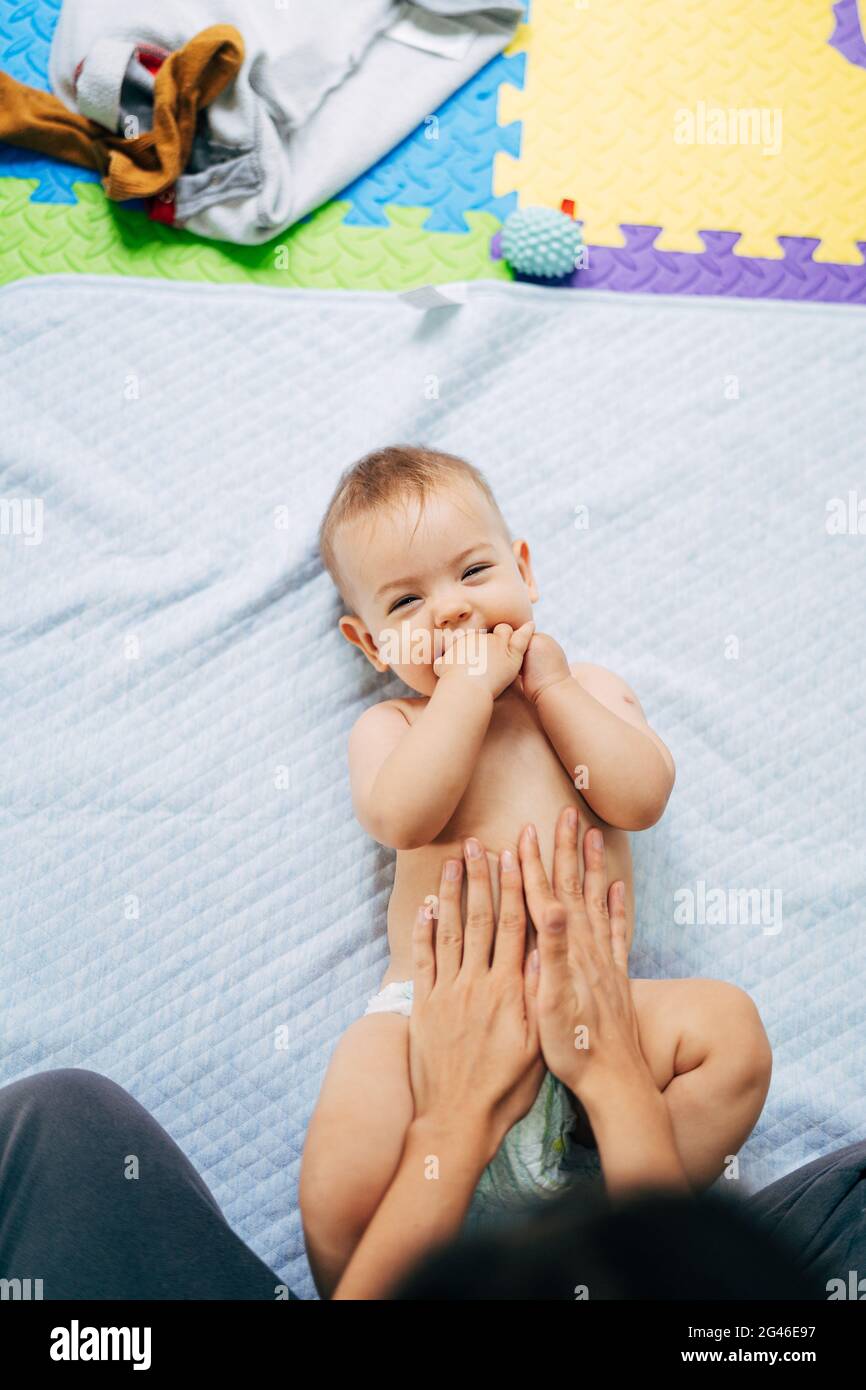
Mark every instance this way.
x=94 y=236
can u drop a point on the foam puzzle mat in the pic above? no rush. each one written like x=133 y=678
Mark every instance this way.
x=716 y=151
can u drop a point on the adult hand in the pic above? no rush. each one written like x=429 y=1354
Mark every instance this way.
x=474 y=1052
x=586 y=1018
x=475 y=1067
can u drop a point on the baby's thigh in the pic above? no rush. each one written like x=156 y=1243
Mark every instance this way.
x=679 y=1022
x=364 y=1108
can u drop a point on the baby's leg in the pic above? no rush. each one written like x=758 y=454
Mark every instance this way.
x=354 y=1141
x=710 y=1057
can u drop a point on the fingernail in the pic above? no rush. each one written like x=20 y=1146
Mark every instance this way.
x=508 y=861
x=533 y=961
x=619 y=892
x=530 y=830
x=422 y=916
x=452 y=868
x=473 y=849
x=596 y=839
x=571 y=819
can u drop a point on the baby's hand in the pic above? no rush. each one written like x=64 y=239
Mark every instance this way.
x=544 y=665
x=490 y=660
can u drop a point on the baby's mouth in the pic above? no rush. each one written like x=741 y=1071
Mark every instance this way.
x=445 y=638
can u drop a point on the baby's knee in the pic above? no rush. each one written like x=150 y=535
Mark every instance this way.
x=739 y=1041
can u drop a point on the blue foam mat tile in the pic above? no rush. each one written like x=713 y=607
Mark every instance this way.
x=26 y=31
x=446 y=166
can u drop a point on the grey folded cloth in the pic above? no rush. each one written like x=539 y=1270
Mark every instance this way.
x=325 y=90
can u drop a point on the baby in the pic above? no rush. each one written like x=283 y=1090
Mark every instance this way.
x=501 y=732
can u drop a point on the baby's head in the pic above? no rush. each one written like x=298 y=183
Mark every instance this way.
x=417 y=546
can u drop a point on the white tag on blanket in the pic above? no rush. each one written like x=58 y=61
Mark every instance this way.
x=435 y=296
x=435 y=33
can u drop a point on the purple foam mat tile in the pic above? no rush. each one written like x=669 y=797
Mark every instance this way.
x=638 y=267
x=847 y=37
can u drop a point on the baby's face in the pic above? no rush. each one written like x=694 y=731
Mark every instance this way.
x=417 y=571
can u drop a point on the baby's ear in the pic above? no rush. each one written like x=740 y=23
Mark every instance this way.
x=524 y=564
x=354 y=631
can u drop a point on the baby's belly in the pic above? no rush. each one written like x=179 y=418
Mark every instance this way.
x=419 y=871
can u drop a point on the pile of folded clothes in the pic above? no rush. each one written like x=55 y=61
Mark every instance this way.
x=237 y=130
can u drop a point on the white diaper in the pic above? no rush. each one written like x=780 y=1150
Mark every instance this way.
x=395 y=998
x=539 y=1155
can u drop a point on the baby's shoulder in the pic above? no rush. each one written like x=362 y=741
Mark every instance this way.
x=606 y=686
x=409 y=706
x=376 y=732
x=387 y=713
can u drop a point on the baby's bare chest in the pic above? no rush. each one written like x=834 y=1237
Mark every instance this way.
x=518 y=777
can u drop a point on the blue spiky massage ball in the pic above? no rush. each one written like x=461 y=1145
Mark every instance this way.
x=541 y=241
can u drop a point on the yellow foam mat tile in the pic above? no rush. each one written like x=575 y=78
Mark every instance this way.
x=737 y=116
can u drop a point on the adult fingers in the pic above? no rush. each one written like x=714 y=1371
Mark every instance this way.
x=531 y=981
x=556 y=989
x=566 y=867
x=478 y=926
x=449 y=926
x=595 y=886
x=510 y=943
x=423 y=955
x=618 y=926
x=536 y=886
x=553 y=955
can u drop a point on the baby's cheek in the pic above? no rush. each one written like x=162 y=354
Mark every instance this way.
x=421 y=679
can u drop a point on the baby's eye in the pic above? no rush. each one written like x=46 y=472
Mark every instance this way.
x=408 y=598
x=475 y=569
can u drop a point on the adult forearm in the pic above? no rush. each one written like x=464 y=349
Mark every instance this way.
x=632 y=1128
x=425 y=1205
x=421 y=782
x=626 y=781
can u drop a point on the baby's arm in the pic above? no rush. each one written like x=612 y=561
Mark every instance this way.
x=407 y=779
x=594 y=720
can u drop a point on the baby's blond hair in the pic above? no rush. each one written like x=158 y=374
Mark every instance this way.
x=387 y=476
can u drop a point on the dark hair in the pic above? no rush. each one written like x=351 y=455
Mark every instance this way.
x=653 y=1245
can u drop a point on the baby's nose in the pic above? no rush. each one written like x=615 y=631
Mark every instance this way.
x=452 y=613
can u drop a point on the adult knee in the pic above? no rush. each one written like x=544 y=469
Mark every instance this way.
x=61 y=1093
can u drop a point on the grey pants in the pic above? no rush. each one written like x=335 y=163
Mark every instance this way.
x=97 y=1202
x=71 y=1217
x=821 y=1210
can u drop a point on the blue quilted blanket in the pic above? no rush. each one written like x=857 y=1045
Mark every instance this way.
x=188 y=905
